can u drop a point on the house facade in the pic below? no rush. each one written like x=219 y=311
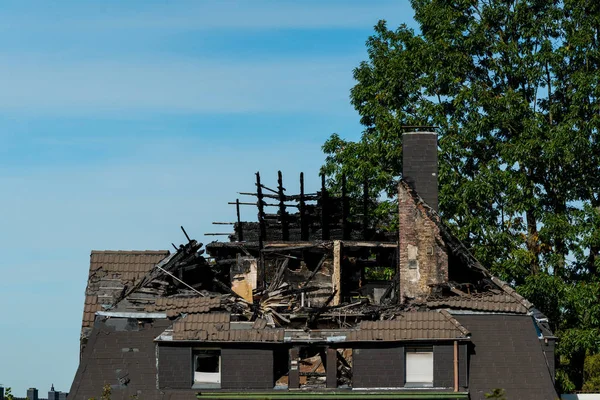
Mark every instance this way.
x=317 y=303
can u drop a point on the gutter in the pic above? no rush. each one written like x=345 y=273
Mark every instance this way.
x=354 y=394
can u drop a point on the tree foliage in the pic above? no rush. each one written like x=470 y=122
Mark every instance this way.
x=513 y=87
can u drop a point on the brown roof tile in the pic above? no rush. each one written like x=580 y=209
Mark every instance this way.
x=489 y=302
x=90 y=307
x=174 y=306
x=260 y=323
x=410 y=326
x=115 y=269
x=214 y=327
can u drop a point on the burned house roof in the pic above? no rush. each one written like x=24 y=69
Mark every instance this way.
x=316 y=274
x=217 y=327
x=110 y=272
x=174 y=306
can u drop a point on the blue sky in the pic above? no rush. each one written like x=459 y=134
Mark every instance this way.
x=121 y=121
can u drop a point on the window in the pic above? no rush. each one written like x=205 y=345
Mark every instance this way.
x=419 y=367
x=207 y=368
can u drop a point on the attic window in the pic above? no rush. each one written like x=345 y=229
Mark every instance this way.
x=419 y=367
x=207 y=368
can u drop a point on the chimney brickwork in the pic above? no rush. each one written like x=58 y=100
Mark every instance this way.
x=423 y=259
x=420 y=165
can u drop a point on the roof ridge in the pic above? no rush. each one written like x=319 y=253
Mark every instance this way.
x=455 y=322
x=459 y=248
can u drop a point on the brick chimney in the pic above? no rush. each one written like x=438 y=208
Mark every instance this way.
x=423 y=259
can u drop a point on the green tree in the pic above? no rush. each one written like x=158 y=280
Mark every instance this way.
x=496 y=394
x=513 y=87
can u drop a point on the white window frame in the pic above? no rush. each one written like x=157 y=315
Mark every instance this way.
x=206 y=380
x=418 y=365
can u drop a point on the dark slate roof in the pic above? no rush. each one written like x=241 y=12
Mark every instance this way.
x=480 y=302
x=110 y=271
x=411 y=326
x=507 y=354
x=175 y=306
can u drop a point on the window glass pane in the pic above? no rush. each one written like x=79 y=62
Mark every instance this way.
x=419 y=367
x=207 y=361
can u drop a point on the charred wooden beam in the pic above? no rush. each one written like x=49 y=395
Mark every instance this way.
x=240 y=228
x=285 y=233
x=288 y=197
x=313 y=318
x=261 y=210
x=314 y=272
x=345 y=210
x=186 y=235
x=365 y=221
x=302 y=208
x=269 y=189
x=324 y=210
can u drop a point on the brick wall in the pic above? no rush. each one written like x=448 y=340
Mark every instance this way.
x=422 y=262
x=249 y=368
x=175 y=367
x=378 y=367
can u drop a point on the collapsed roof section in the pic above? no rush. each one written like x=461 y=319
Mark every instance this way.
x=110 y=273
x=269 y=290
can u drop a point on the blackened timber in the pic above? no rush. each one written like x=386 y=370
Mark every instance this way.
x=321 y=310
x=303 y=219
x=269 y=189
x=288 y=197
x=285 y=233
x=345 y=210
x=241 y=203
x=324 y=210
x=365 y=221
x=261 y=210
x=314 y=272
x=186 y=235
x=239 y=227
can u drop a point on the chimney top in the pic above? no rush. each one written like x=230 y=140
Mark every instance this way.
x=420 y=165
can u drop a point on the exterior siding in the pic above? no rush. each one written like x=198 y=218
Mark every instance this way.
x=463 y=365
x=443 y=366
x=175 y=367
x=120 y=353
x=506 y=354
x=378 y=367
x=249 y=368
